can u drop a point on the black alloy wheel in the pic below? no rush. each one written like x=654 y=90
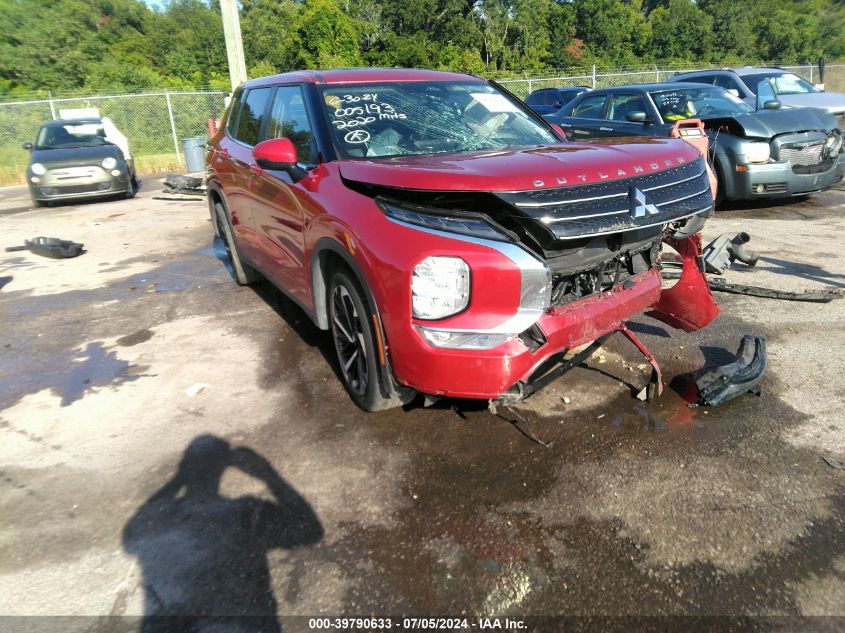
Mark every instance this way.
x=353 y=325
x=244 y=273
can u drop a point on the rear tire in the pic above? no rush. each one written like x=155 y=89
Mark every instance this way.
x=244 y=273
x=354 y=338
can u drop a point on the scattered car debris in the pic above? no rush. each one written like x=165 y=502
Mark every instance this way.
x=183 y=187
x=521 y=425
x=825 y=295
x=737 y=250
x=52 y=247
x=833 y=462
x=740 y=376
x=724 y=251
x=196 y=388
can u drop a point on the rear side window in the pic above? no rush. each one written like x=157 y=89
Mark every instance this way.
x=727 y=83
x=538 y=98
x=590 y=108
x=251 y=112
x=232 y=122
x=623 y=105
x=289 y=119
x=696 y=79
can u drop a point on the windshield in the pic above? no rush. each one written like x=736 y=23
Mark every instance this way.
x=77 y=135
x=708 y=103
x=405 y=119
x=785 y=83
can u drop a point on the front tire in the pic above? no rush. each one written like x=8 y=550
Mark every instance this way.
x=354 y=342
x=132 y=189
x=244 y=273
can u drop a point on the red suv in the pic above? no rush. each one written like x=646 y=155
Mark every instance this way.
x=452 y=241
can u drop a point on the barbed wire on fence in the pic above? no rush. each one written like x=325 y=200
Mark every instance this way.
x=156 y=121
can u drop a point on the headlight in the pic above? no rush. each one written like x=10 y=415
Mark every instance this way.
x=472 y=224
x=439 y=287
x=109 y=163
x=757 y=152
x=463 y=340
x=833 y=144
x=38 y=169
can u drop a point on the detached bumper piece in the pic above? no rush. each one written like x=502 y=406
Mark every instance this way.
x=736 y=378
x=51 y=247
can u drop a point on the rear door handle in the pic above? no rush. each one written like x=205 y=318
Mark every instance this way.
x=606 y=129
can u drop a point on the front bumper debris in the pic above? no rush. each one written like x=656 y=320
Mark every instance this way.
x=556 y=367
x=52 y=247
x=736 y=378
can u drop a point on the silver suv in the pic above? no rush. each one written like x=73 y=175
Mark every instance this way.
x=786 y=87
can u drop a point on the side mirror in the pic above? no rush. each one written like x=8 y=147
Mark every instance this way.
x=772 y=104
x=637 y=117
x=766 y=94
x=27 y=146
x=819 y=87
x=734 y=92
x=277 y=154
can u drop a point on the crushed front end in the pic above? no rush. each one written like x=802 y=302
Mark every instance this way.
x=569 y=265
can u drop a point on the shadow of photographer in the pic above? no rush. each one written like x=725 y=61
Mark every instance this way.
x=203 y=555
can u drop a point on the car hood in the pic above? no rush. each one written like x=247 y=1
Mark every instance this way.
x=70 y=156
x=769 y=123
x=524 y=169
x=832 y=102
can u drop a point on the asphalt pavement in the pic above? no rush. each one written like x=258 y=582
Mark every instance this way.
x=171 y=443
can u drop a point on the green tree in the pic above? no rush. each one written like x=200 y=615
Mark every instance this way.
x=680 y=32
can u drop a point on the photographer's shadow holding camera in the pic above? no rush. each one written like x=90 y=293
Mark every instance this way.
x=203 y=555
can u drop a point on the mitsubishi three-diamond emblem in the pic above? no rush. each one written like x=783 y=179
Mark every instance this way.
x=639 y=207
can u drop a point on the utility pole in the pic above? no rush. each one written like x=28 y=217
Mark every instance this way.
x=234 y=44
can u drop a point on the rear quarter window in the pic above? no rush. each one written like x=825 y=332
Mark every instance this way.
x=590 y=107
x=251 y=115
x=232 y=120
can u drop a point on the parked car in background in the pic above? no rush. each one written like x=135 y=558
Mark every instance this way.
x=548 y=100
x=446 y=236
x=788 y=88
x=755 y=154
x=78 y=158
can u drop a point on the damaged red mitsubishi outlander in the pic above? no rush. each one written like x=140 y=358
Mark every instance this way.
x=452 y=241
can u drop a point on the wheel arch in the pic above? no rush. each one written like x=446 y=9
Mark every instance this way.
x=326 y=253
x=214 y=195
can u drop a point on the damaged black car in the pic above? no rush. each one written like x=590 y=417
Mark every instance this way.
x=769 y=152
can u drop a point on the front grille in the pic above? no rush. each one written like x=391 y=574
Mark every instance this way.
x=802 y=154
x=615 y=206
x=74 y=189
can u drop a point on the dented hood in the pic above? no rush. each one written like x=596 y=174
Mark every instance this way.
x=769 y=123
x=544 y=167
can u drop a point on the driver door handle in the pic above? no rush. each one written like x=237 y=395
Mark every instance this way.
x=606 y=129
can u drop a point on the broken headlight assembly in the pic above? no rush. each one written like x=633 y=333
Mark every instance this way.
x=833 y=144
x=461 y=223
x=757 y=152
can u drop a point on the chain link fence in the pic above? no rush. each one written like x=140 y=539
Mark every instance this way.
x=156 y=122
